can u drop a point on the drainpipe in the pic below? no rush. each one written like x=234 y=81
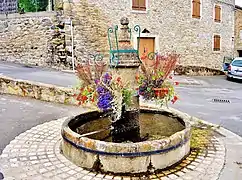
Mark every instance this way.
x=233 y=44
x=50 y=5
x=72 y=47
x=70 y=23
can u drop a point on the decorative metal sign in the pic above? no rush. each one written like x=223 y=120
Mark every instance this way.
x=8 y=6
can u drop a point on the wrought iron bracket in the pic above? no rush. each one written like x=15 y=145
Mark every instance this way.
x=115 y=51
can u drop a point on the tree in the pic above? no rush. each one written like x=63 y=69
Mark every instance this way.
x=33 y=5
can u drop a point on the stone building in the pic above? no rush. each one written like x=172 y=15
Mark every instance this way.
x=200 y=30
x=238 y=31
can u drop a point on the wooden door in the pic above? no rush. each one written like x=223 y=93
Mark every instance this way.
x=147 y=45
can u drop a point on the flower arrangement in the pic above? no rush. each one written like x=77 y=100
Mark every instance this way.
x=155 y=80
x=107 y=91
x=86 y=90
x=111 y=90
x=104 y=90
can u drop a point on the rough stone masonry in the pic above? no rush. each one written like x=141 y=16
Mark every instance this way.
x=24 y=38
x=170 y=22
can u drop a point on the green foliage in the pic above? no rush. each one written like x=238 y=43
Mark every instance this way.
x=33 y=5
x=127 y=96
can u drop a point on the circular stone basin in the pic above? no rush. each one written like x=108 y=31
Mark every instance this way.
x=167 y=141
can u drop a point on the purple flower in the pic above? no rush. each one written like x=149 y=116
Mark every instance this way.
x=97 y=81
x=107 y=78
x=104 y=101
x=101 y=90
x=104 y=98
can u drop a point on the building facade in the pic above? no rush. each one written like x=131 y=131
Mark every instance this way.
x=201 y=31
x=238 y=32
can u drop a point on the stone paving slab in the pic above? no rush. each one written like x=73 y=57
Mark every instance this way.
x=35 y=155
x=233 y=164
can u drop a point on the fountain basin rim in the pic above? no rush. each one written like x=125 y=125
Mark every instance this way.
x=144 y=148
x=126 y=154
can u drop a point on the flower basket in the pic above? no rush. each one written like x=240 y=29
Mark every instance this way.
x=160 y=93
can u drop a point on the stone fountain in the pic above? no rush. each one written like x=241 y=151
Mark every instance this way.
x=126 y=147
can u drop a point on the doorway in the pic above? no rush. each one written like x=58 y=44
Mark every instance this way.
x=147 y=45
x=240 y=53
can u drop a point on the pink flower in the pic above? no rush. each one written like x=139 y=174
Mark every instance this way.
x=119 y=79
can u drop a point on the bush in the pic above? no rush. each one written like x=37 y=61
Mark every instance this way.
x=33 y=5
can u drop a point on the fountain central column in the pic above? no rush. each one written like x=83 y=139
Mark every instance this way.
x=127 y=128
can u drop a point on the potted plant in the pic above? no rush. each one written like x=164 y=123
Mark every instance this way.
x=155 y=81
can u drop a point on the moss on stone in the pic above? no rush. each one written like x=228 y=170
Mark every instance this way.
x=201 y=137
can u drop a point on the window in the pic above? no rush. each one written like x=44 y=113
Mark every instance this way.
x=217 y=17
x=139 y=5
x=196 y=8
x=216 y=43
x=237 y=63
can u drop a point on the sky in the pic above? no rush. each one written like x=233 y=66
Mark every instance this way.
x=238 y=2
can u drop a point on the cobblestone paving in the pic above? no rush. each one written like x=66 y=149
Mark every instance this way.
x=35 y=155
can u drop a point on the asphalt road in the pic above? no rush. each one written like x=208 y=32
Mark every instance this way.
x=198 y=101
x=48 y=76
x=19 y=114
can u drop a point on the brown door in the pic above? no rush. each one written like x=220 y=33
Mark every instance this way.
x=147 y=45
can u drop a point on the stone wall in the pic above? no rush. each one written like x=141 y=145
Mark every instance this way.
x=238 y=30
x=171 y=21
x=24 y=38
x=32 y=39
x=40 y=91
x=90 y=29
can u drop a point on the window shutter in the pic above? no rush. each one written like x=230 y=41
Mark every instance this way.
x=196 y=8
x=217 y=40
x=215 y=43
x=135 y=4
x=139 y=5
x=217 y=13
x=142 y=4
